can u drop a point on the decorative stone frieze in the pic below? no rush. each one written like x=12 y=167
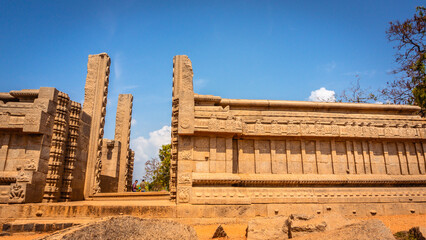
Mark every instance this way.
x=237 y=151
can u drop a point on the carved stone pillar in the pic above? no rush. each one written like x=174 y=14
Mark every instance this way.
x=95 y=101
x=182 y=123
x=122 y=134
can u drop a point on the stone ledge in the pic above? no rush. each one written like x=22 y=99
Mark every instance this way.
x=35 y=227
x=305 y=179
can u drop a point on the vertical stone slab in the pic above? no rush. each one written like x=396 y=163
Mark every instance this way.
x=262 y=156
x=71 y=152
x=366 y=153
x=333 y=156
x=341 y=164
x=386 y=156
x=279 y=157
x=309 y=161
x=325 y=165
x=317 y=155
x=212 y=158
x=95 y=101
x=4 y=141
x=295 y=160
x=377 y=158
x=420 y=157
x=110 y=165
x=182 y=81
x=130 y=165
x=413 y=164
x=52 y=189
x=122 y=134
x=182 y=124
x=402 y=158
x=351 y=157
x=303 y=154
x=228 y=155
x=246 y=158
x=392 y=164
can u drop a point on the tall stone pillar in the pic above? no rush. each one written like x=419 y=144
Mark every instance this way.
x=182 y=124
x=95 y=101
x=122 y=134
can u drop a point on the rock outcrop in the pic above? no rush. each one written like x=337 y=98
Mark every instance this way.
x=126 y=228
x=365 y=230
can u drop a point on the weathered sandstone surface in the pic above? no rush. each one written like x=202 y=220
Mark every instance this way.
x=126 y=228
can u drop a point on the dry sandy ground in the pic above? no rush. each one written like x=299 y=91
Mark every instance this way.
x=237 y=231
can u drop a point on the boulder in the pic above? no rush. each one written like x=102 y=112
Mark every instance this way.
x=126 y=228
x=280 y=227
x=301 y=224
x=267 y=228
x=365 y=230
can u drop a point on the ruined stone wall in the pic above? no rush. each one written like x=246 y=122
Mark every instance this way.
x=37 y=136
x=232 y=151
x=110 y=165
x=95 y=100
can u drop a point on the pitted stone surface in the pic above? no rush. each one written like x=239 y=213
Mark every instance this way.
x=127 y=228
x=365 y=230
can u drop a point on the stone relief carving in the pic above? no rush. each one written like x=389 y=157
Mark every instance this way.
x=258 y=128
x=183 y=194
x=185 y=178
x=16 y=193
x=185 y=123
x=30 y=165
x=315 y=128
x=185 y=155
x=22 y=176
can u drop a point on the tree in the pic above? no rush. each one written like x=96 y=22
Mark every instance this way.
x=151 y=167
x=157 y=172
x=356 y=94
x=410 y=85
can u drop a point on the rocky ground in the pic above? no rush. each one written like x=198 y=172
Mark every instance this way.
x=238 y=230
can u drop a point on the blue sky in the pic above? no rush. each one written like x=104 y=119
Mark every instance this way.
x=239 y=49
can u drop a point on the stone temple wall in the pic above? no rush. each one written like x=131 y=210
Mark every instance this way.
x=234 y=151
x=117 y=163
x=40 y=145
x=52 y=149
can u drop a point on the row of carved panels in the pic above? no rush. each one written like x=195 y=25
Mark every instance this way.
x=275 y=128
x=225 y=112
x=288 y=195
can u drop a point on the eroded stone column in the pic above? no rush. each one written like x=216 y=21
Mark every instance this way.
x=122 y=134
x=182 y=124
x=95 y=101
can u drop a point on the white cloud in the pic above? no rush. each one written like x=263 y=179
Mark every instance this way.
x=322 y=95
x=134 y=122
x=146 y=149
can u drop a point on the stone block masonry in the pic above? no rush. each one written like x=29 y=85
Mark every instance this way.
x=52 y=150
x=39 y=136
x=237 y=151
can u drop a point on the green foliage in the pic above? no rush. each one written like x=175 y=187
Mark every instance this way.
x=404 y=235
x=157 y=174
x=410 y=86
